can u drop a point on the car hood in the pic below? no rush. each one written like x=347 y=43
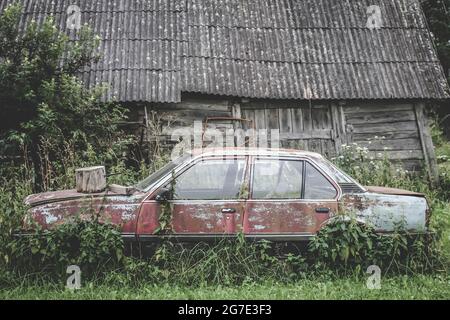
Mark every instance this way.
x=393 y=191
x=63 y=195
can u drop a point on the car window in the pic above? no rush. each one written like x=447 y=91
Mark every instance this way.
x=154 y=177
x=277 y=179
x=210 y=180
x=317 y=186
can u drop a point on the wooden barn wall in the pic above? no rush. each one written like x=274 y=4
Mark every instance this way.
x=391 y=128
x=161 y=120
x=386 y=128
x=301 y=126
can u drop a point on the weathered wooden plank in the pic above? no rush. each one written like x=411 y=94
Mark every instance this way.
x=395 y=144
x=398 y=154
x=189 y=115
x=307 y=135
x=197 y=104
x=269 y=104
x=427 y=144
x=250 y=115
x=387 y=135
x=380 y=128
x=285 y=118
x=351 y=109
x=260 y=119
x=338 y=127
x=381 y=117
x=236 y=110
x=319 y=117
x=297 y=120
x=272 y=119
x=307 y=118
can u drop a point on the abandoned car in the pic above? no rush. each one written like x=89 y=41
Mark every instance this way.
x=278 y=195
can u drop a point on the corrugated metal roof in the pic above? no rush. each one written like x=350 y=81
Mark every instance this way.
x=152 y=50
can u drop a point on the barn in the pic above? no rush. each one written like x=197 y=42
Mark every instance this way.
x=320 y=73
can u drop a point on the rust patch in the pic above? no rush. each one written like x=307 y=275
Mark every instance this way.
x=286 y=216
x=115 y=209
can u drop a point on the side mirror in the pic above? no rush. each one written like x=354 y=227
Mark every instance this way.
x=164 y=195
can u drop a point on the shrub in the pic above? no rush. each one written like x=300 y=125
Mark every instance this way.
x=46 y=111
x=95 y=247
x=346 y=244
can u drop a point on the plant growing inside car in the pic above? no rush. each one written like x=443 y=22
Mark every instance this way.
x=165 y=214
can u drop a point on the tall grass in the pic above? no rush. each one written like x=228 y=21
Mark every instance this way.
x=341 y=249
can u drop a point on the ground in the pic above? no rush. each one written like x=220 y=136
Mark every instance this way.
x=404 y=287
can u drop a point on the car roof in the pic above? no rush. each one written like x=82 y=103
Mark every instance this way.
x=243 y=151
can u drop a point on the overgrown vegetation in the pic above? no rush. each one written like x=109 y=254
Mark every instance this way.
x=50 y=122
x=52 y=132
x=98 y=247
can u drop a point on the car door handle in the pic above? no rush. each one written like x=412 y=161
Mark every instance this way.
x=228 y=210
x=322 y=210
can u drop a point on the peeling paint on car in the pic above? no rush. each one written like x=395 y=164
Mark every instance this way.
x=138 y=213
x=386 y=212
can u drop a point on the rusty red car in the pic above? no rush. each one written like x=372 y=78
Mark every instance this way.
x=278 y=195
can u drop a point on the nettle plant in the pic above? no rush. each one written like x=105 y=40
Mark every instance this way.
x=94 y=245
x=347 y=244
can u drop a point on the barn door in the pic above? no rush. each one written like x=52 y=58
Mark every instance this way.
x=302 y=127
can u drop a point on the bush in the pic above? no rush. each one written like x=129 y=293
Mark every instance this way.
x=346 y=244
x=95 y=247
x=46 y=112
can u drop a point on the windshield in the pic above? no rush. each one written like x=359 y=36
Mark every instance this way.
x=154 y=177
x=338 y=175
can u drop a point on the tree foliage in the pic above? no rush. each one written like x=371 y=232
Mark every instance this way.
x=44 y=107
x=438 y=18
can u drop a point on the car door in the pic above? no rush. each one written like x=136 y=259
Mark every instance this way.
x=207 y=197
x=289 y=199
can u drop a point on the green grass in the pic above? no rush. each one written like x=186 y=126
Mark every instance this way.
x=403 y=287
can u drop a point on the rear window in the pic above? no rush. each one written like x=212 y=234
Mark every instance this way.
x=277 y=179
x=317 y=186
